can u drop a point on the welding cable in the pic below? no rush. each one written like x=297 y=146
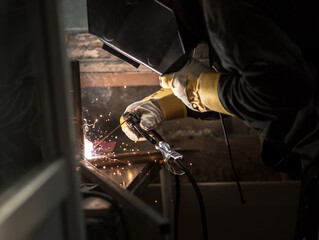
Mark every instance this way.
x=211 y=51
x=176 y=205
x=199 y=198
x=231 y=159
x=116 y=206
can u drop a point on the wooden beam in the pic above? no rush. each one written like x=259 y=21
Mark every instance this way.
x=118 y=80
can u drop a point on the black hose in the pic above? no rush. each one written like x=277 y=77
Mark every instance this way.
x=194 y=184
x=231 y=160
x=176 y=206
x=116 y=206
x=199 y=198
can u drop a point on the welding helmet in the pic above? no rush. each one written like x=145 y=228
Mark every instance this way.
x=140 y=32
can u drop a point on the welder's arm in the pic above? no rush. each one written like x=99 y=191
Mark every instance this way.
x=269 y=76
x=197 y=86
x=154 y=109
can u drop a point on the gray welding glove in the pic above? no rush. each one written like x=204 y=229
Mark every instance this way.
x=153 y=110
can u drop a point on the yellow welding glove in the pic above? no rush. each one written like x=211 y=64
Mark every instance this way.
x=154 y=109
x=197 y=86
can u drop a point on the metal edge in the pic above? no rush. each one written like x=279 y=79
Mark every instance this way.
x=31 y=203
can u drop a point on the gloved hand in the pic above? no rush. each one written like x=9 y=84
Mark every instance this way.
x=197 y=86
x=161 y=105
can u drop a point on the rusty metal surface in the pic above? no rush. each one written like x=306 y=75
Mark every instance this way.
x=77 y=117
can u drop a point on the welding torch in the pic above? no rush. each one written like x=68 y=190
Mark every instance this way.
x=172 y=159
x=169 y=155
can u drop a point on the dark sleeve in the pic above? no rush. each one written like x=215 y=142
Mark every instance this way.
x=268 y=74
x=209 y=115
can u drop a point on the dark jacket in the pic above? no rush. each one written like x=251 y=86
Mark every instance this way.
x=270 y=50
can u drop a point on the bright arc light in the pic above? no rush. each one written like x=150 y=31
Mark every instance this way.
x=88 y=149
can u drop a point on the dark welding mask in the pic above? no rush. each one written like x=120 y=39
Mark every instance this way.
x=139 y=32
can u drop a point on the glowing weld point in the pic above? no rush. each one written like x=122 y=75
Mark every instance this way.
x=155 y=201
x=104 y=167
x=129 y=164
x=114 y=173
x=124 y=86
x=190 y=164
x=88 y=149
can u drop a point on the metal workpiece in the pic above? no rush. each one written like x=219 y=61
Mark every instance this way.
x=122 y=159
x=77 y=117
x=132 y=174
x=130 y=202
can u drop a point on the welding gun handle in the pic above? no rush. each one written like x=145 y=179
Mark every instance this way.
x=144 y=134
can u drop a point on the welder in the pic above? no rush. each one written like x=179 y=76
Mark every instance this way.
x=263 y=70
